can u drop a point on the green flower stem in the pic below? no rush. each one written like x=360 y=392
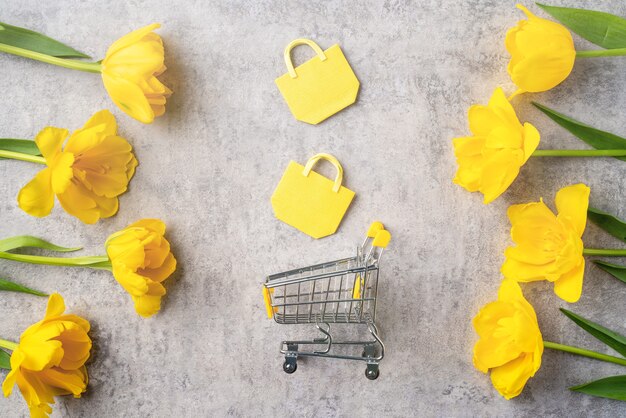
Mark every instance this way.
x=9 y=345
x=22 y=157
x=601 y=53
x=579 y=153
x=91 y=67
x=585 y=353
x=605 y=252
x=95 y=262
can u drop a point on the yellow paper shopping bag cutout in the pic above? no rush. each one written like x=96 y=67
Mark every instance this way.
x=309 y=201
x=320 y=87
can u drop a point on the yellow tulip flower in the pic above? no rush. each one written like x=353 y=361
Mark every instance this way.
x=129 y=72
x=87 y=175
x=490 y=160
x=510 y=343
x=141 y=259
x=50 y=359
x=542 y=53
x=548 y=246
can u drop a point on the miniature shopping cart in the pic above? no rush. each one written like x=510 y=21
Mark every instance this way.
x=341 y=291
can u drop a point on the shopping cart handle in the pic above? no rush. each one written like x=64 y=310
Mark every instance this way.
x=374 y=228
x=382 y=239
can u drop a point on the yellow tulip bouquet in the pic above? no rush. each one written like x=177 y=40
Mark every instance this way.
x=542 y=56
x=86 y=171
x=129 y=69
x=548 y=245
x=139 y=257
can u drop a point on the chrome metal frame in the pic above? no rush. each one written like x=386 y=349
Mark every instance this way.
x=343 y=291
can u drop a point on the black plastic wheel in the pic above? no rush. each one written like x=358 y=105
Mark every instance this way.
x=290 y=367
x=371 y=374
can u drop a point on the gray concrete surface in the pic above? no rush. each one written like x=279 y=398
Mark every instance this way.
x=209 y=166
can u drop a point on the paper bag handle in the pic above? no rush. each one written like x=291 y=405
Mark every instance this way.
x=295 y=43
x=313 y=160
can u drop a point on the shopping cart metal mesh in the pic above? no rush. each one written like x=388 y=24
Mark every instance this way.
x=341 y=291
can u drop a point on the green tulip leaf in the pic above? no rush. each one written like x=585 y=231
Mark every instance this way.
x=14 y=287
x=617 y=271
x=609 y=223
x=5 y=360
x=592 y=136
x=24 y=146
x=23 y=241
x=33 y=41
x=613 y=387
x=603 y=29
x=614 y=340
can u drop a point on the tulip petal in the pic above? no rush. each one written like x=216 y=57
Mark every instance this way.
x=501 y=106
x=510 y=378
x=104 y=168
x=100 y=126
x=76 y=346
x=49 y=141
x=521 y=271
x=81 y=322
x=158 y=274
x=499 y=171
x=490 y=352
x=136 y=62
x=131 y=38
x=79 y=204
x=510 y=291
x=572 y=202
x=17 y=357
x=129 y=97
x=132 y=282
x=468 y=151
x=570 y=286
x=543 y=71
x=39 y=355
x=486 y=321
x=533 y=213
x=481 y=120
x=531 y=140
x=150 y=303
x=156 y=250
x=89 y=208
x=37 y=395
x=531 y=254
x=155 y=225
x=62 y=172
x=103 y=121
x=37 y=198
x=65 y=382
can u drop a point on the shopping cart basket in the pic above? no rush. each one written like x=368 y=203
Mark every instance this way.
x=342 y=291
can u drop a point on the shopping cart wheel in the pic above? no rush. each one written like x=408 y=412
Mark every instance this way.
x=290 y=367
x=371 y=373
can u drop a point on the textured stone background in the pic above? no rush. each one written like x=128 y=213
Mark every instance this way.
x=209 y=166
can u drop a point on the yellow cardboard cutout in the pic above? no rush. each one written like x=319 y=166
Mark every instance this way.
x=320 y=87
x=309 y=201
